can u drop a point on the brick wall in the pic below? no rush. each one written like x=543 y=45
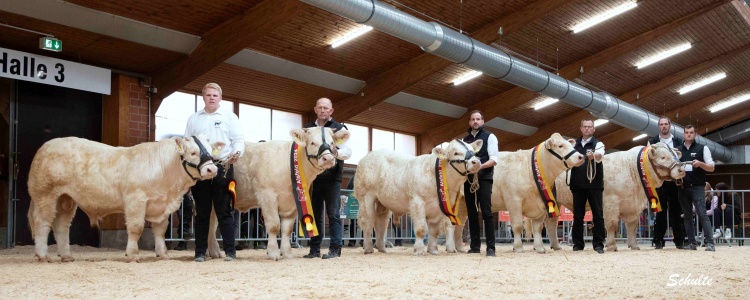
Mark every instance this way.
x=138 y=131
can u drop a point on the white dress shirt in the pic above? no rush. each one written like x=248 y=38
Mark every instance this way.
x=491 y=146
x=599 y=148
x=219 y=126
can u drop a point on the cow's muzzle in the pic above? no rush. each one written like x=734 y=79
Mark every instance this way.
x=205 y=159
x=467 y=157
x=324 y=146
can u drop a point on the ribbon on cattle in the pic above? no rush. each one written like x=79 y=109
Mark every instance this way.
x=232 y=188
x=546 y=191
x=646 y=182
x=301 y=193
x=444 y=197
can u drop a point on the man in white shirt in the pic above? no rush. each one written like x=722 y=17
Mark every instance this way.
x=692 y=191
x=668 y=195
x=587 y=184
x=219 y=126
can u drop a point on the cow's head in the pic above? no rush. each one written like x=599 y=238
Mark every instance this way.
x=564 y=150
x=320 y=144
x=197 y=160
x=461 y=154
x=666 y=161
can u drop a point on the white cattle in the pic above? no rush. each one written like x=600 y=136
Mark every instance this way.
x=388 y=182
x=263 y=178
x=514 y=188
x=623 y=195
x=146 y=182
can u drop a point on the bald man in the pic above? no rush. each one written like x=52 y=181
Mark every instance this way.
x=326 y=189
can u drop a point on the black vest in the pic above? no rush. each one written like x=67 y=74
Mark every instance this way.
x=483 y=155
x=337 y=171
x=578 y=178
x=697 y=176
x=675 y=141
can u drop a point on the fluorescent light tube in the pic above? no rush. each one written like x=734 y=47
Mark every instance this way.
x=663 y=55
x=545 y=103
x=702 y=83
x=604 y=16
x=643 y=135
x=350 y=36
x=600 y=122
x=466 y=77
x=729 y=103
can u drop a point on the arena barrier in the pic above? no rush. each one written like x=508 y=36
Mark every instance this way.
x=251 y=228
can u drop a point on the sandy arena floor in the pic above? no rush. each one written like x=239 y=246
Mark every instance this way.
x=102 y=273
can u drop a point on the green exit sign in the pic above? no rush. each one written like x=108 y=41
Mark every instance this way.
x=50 y=43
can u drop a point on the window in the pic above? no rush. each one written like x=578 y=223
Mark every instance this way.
x=172 y=115
x=282 y=123
x=382 y=139
x=255 y=122
x=406 y=144
x=359 y=142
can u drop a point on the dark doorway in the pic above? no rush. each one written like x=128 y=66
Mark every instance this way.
x=46 y=112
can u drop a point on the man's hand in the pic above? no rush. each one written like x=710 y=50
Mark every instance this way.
x=723 y=206
x=335 y=151
x=697 y=163
x=233 y=159
x=590 y=154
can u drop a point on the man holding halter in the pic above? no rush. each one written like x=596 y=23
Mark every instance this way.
x=587 y=184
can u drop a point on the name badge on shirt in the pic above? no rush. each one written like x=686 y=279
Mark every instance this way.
x=688 y=168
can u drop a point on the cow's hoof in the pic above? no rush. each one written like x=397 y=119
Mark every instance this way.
x=214 y=254
x=133 y=258
x=540 y=251
x=163 y=257
x=434 y=252
x=41 y=258
x=635 y=248
x=556 y=248
x=369 y=251
x=381 y=250
x=519 y=250
x=419 y=251
x=67 y=258
x=274 y=257
x=450 y=250
x=612 y=248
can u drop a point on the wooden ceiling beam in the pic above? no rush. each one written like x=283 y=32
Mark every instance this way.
x=617 y=138
x=223 y=42
x=399 y=78
x=500 y=104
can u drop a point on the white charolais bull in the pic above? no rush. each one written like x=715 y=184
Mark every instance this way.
x=264 y=180
x=389 y=182
x=623 y=195
x=514 y=188
x=146 y=182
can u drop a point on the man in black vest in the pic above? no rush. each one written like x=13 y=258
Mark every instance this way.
x=326 y=188
x=588 y=185
x=692 y=191
x=488 y=156
x=668 y=194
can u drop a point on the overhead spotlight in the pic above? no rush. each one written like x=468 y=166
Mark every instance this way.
x=702 y=83
x=545 y=103
x=604 y=16
x=643 y=135
x=350 y=36
x=466 y=77
x=735 y=101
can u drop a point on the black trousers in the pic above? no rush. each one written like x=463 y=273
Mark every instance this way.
x=483 y=198
x=326 y=196
x=670 y=205
x=214 y=193
x=594 y=198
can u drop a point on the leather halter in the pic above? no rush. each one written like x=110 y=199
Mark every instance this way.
x=205 y=159
x=676 y=163
x=323 y=147
x=468 y=156
x=564 y=159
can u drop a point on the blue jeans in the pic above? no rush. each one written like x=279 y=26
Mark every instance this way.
x=326 y=194
x=694 y=196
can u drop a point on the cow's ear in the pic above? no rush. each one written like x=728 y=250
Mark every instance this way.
x=652 y=152
x=477 y=145
x=340 y=137
x=299 y=135
x=180 y=143
x=440 y=152
x=572 y=142
x=679 y=154
x=549 y=143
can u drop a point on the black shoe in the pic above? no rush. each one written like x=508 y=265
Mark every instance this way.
x=577 y=248
x=312 y=255
x=351 y=243
x=473 y=251
x=710 y=247
x=599 y=250
x=398 y=243
x=690 y=247
x=333 y=253
x=230 y=257
x=242 y=246
x=200 y=257
x=181 y=246
x=260 y=245
x=659 y=244
x=491 y=252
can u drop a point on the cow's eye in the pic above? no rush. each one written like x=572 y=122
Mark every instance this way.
x=193 y=153
x=455 y=153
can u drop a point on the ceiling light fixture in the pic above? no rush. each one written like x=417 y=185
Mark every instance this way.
x=545 y=103
x=350 y=36
x=604 y=16
x=643 y=135
x=663 y=55
x=736 y=100
x=600 y=122
x=702 y=83
x=466 y=77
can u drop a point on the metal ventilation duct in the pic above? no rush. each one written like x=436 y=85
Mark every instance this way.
x=461 y=49
x=731 y=134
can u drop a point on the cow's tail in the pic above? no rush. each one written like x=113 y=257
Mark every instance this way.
x=30 y=217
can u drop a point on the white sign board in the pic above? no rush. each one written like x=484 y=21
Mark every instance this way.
x=35 y=68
